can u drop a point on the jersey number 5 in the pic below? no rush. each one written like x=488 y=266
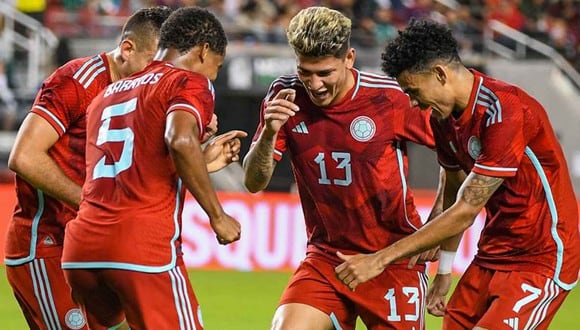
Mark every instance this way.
x=125 y=135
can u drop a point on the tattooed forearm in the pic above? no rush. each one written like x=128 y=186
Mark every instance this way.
x=477 y=189
x=259 y=165
x=262 y=162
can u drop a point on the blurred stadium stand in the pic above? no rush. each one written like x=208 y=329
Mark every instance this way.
x=532 y=43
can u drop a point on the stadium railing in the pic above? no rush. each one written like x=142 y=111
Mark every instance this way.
x=521 y=42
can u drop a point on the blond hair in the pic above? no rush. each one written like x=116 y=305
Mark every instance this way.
x=318 y=32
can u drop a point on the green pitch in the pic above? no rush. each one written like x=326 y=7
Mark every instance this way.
x=246 y=301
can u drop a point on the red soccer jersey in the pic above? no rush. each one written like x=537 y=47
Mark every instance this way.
x=130 y=214
x=532 y=219
x=350 y=163
x=37 y=226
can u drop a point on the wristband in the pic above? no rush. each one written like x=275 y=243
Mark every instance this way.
x=445 y=262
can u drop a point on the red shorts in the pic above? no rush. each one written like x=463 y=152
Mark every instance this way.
x=393 y=300
x=147 y=300
x=494 y=299
x=43 y=295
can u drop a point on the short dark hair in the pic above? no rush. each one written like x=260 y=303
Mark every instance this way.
x=422 y=43
x=193 y=26
x=144 y=25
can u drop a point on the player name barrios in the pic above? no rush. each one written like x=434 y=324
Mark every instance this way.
x=125 y=85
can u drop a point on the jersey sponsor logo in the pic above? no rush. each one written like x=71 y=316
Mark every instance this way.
x=300 y=128
x=362 y=128
x=74 y=319
x=512 y=322
x=474 y=147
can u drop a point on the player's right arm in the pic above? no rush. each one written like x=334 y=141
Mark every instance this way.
x=259 y=163
x=29 y=157
x=182 y=139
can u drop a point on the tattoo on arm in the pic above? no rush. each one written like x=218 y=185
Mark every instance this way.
x=260 y=164
x=477 y=189
x=263 y=162
x=435 y=212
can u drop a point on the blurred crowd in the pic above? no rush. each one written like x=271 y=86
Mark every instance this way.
x=555 y=22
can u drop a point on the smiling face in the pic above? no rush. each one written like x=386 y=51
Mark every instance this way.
x=326 y=79
x=429 y=89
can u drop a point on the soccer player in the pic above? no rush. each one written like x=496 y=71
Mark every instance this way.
x=48 y=158
x=346 y=133
x=529 y=250
x=122 y=253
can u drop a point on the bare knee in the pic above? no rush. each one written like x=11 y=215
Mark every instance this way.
x=300 y=316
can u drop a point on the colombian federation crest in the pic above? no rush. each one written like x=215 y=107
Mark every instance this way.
x=363 y=128
x=74 y=319
x=474 y=147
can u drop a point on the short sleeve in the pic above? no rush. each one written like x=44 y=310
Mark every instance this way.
x=502 y=138
x=60 y=101
x=194 y=94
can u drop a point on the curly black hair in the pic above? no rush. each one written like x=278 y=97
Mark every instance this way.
x=193 y=26
x=418 y=46
x=144 y=25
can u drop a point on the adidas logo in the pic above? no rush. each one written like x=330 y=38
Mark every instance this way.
x=513 y=322
x=48 y=241
x=300 y=128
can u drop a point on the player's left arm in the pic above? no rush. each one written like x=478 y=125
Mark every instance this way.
x=474 y=193
x=189 y=117
x=182 y=136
